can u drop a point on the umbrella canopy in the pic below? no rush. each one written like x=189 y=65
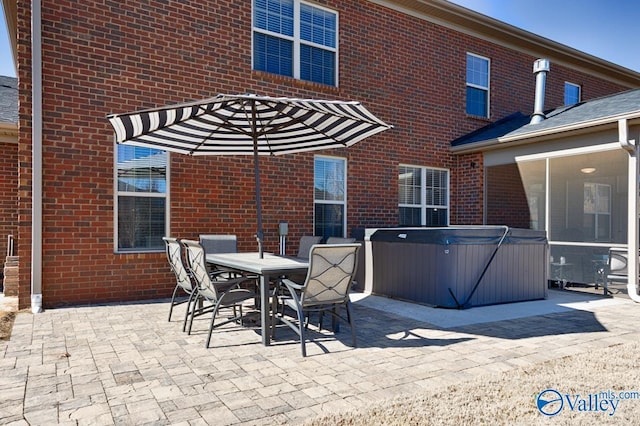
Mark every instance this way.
x=248 y=125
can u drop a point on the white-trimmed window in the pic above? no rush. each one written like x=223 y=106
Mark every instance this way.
x=141 y=206
x=477 y=85
x=423 y=196
x=296 y=39
x=330 y=196
x=571 y=93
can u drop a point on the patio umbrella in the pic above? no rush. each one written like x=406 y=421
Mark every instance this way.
x=248 y=125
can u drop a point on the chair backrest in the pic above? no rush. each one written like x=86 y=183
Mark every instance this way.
x=197 y=264
x=174 y=256
x=306 y=242
x=218 y=243
x=617 y=262
x=340 y=240
x=331 y=271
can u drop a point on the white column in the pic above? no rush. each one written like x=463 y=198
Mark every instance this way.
x=632 y=207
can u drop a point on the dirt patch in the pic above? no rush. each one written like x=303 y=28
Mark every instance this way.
x=6 y=324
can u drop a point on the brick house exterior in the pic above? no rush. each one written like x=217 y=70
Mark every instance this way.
x=404 y=60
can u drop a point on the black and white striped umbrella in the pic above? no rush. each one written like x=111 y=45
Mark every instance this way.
x=248 y=125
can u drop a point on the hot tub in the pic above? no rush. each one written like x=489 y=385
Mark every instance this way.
x=457 y=267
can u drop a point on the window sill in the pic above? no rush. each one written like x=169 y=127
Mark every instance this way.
x=301 y=84
x=139 y=251
x=479 y=118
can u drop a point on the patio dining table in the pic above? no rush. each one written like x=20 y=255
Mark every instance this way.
x=266 y=268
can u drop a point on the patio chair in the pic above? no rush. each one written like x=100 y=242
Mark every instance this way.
x=219 y=243
x=223 y=243
x=184 y=284
x=340 y=240
x=616 y=267
x=225 y=293
x=324 y=290
x=306 y=242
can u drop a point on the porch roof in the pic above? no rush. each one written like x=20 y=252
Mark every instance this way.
x=515 y=128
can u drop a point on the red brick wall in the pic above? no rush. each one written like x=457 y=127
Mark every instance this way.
x=100 y=57
x=8 y=194
x=24 y=154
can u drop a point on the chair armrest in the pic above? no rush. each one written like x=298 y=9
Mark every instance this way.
x=292 y=284
x=221 y=281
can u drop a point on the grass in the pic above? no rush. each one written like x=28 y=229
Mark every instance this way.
x=6 y=324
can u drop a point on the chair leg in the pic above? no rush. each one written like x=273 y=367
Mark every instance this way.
x=350 y=320
x=211 y=326
x=193 y=314
x=193 y=299
x=301 y=328
x=173 y=299
x=335 y=324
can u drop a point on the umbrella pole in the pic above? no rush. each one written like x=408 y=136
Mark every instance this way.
x=256 y=172
x=259 y=234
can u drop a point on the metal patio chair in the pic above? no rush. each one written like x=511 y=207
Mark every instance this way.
x=306 y=241
x=340 y=240
x=223 y=243
x=616 y=267
x=225 y=293
x=325 y=290
x=184 y=284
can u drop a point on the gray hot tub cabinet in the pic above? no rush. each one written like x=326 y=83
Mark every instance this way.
x=459 y=267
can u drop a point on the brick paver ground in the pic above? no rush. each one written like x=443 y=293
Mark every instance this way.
x=125 y=364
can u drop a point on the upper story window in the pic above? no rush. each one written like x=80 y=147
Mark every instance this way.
x=295 y=39
x=571 y=93
x=423 y=196
x=141 y=199
x=477 y=85
x=330 y=196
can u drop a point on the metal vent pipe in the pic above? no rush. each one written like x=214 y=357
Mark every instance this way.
x=540 y=69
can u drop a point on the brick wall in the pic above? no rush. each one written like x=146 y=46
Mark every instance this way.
x=8 y=194
x=101 y=57
x=8 y=215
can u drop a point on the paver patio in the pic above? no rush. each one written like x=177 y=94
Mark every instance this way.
x=125 y=364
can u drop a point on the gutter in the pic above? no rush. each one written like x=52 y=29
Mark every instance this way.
x=547 y=134
x=571 y=127
x=36 y=157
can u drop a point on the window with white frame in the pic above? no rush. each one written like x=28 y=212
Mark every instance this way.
x=477 y=85
x=571 y=93
x=423 y=196
x=295 y=39
x=597 y=211
x=141 y=198
x=330 y=197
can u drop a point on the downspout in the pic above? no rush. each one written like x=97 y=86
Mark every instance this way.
x=36 y=157
x=631 y=147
